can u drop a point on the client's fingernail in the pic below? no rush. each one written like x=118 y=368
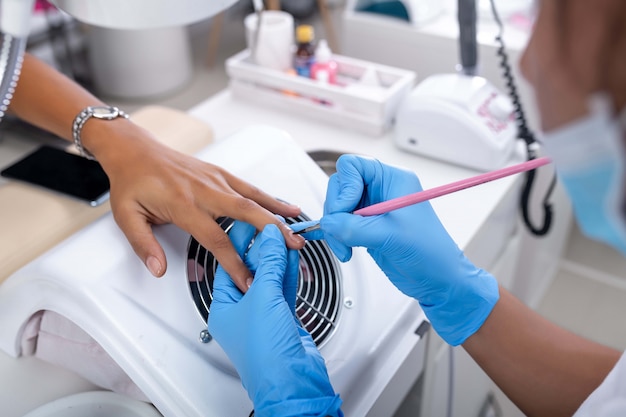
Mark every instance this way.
x=249 y=282
x=154 y=266
x=297 y=238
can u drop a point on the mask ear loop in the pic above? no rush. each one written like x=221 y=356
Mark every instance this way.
x=525 y=134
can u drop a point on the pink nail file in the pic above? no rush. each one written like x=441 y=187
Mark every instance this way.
x=420 y=196
x=396 y=203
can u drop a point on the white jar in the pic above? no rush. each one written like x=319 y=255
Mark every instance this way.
x=139 y=63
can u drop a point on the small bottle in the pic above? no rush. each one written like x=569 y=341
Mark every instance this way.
x=305 y=51
x=324 y=68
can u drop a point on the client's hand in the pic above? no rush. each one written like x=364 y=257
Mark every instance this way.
x=154 y=184
x=277 y=360
x=410 y=245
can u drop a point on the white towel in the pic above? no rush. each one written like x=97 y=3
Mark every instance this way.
x=55 y=339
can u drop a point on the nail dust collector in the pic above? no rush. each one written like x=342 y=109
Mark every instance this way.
x=152 y=331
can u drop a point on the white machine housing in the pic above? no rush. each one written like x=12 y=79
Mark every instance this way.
x=151 y=327
x=460 y=119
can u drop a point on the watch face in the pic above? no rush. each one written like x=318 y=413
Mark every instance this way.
x=102 y=112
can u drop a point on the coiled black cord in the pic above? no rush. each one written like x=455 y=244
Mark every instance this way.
x=524 y=133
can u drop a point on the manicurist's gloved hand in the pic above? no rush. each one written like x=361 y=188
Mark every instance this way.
x=277 y=360
x=410 y=245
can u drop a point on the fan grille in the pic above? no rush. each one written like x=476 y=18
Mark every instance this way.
x=319 y=283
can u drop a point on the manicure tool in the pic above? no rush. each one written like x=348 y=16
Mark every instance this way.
x=420 y=196
x=258 y=9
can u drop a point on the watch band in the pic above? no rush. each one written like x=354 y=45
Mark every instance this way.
x=98 y=112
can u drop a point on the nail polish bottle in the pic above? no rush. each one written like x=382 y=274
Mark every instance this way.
x=305 y=50
x=324 y=68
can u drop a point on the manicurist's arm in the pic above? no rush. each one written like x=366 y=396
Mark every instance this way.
x=544 y=369
x=150 y=183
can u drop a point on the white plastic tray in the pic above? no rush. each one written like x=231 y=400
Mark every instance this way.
x=349 y=103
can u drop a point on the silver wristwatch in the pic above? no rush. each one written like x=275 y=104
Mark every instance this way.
x=99 y=112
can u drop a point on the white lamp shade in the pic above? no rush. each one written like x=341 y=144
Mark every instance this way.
x=141 y=14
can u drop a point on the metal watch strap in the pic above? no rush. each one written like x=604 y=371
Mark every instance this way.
x=99 y=112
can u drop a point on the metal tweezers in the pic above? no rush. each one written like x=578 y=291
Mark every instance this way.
x=308 y=229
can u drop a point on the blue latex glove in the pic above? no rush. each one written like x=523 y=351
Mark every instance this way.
x=410 y=245
x=277 y=360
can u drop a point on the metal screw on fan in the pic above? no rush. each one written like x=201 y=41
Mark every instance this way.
x=205 y=336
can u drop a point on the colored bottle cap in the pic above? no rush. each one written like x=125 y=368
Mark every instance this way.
x=304 y=33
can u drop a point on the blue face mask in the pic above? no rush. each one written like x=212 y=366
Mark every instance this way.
x=589 y=158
